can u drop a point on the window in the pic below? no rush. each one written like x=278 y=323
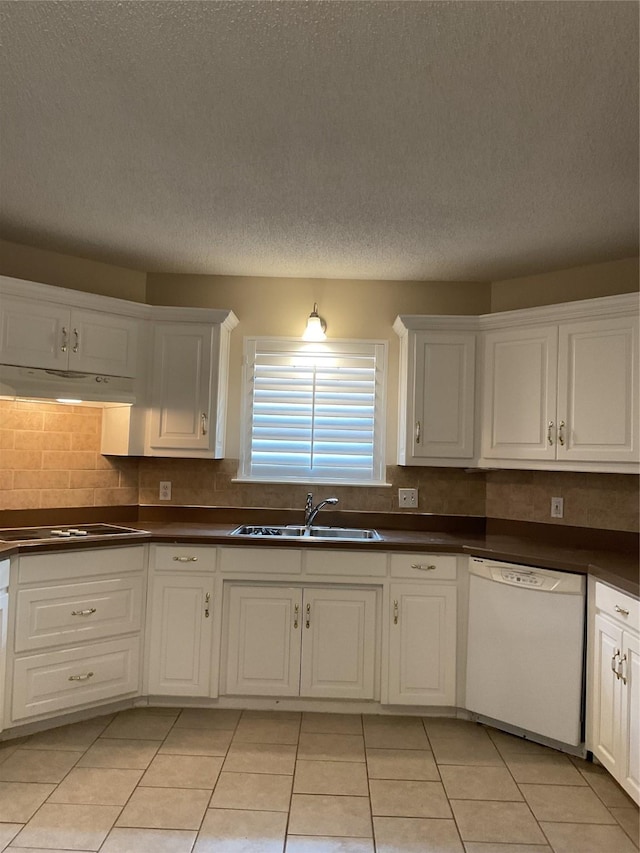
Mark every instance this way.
x=313 y=412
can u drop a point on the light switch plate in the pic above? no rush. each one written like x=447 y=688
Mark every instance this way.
x=557 y=507
x=164 y=493
x=408 y=498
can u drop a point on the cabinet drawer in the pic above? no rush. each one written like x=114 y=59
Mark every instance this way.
x=69 y=613
x=280 y=561
x=425 y=566
x=194 y=558
x=346 y=563
x=57 y=681
x=72 y=565
x=621 y=607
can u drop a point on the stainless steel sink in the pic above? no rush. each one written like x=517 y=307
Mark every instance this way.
x=353 y=534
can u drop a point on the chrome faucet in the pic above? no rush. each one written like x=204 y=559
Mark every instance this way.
x=310 y=511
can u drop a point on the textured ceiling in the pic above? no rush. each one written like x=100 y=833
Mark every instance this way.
x=397 y=140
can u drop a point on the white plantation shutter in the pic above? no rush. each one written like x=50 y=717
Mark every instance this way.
x=314 y=412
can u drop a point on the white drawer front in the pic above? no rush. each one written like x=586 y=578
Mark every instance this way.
x=173 y=558
x=619 y=606
x=345 y=563
x=57 y=681
x=281 y=561
x=69 y=565
x=69 y=613
x=425 y=566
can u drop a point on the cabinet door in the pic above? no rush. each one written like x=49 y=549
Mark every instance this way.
x=4 y=610
x=263 y=653
x=606 y=698
x=630 y=725
x=422 y=644
x=181 y=633
x=181 y=395
x=443 y=396
x=520 y=393
x=598 y=390
x=338 y=643
x=34 y=334
x=103 y=343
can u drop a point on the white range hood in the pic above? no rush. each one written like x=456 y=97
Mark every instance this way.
x=39 y=384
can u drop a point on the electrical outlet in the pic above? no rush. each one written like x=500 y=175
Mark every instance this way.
x=165 y=490
x=557 y=507
x=408 y=498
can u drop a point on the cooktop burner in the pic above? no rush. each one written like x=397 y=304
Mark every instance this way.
x=82 y=531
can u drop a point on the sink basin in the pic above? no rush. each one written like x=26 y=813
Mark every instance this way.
x=353 y=534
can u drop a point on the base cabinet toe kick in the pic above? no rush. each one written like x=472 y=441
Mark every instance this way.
x=293 y=628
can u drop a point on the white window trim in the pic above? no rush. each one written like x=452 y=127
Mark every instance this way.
x=379 y=468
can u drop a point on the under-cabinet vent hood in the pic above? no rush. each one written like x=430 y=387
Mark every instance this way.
x=39 y=384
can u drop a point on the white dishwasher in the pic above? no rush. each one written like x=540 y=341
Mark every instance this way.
x=525 y=648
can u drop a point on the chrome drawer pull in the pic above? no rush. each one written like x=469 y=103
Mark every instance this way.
x=87 y=612
x=549 y=428
x=395 y=612
x=561 y=433
x=81 y=677
x=307 y=622
x=620 y=671
x=423 y=567
x=619 y=609
x=65 y=339
x=186 y=559
x=614 y=668
x=76 y=335
x=296 y=611
x=207 y=600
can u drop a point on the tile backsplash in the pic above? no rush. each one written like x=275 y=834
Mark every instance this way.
x=50 y=457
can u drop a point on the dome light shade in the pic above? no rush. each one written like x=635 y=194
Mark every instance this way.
x=316 y=326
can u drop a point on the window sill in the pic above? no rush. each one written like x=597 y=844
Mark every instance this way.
x=306 y=482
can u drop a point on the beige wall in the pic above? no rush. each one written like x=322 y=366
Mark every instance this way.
x=588 y=282
x=61 y=270
x=352 y=309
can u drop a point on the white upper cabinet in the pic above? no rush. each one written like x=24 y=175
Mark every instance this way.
x=563 y=395
x=54 y=336
x=437 y=390
x=189 y=385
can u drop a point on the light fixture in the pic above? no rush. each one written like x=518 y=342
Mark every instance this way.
x=316 y=326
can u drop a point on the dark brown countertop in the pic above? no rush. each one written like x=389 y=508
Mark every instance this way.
x=616 y=567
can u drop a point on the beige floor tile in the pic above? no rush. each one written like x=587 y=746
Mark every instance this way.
x=96 y=786
x=312 y=814
x=208 y=718
x=566 y=804
x=278 y=758
x=120 y=754
x=466 y=750
x=396 y=798
x=78 y=736
x=508 y=823
x=587 y=838
x=126 y=840
x=403 y=735
x=332 y=724
x=267 y=731
x=8 y=749
x=479 y=783
x=140 y=725
x=551 y=769
x=229 y=831
x=416 y=835
x=7 y=832
x=608 y=790
x=182 y=771
x=451 y=727
x=20 y=800
x=253 y=791
x=511 y=745
x=417 y=764
x=282 y=716
x=628 y=820
x=68 y=827
x=490 y=847
x=196 y=742
x=331 y=777
x=330 y=747
x=165 y=808
x=37 y=765
x=324 y=844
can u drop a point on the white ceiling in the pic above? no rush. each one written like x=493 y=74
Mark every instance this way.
x=395 y=140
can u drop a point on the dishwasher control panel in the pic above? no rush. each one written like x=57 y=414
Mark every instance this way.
x=527 y=577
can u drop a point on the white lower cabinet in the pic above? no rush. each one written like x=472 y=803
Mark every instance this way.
x=614 y=700
x=180 y=621
x=76 y=630
x=422 y=644
x=4 y=612
x=301 y=641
